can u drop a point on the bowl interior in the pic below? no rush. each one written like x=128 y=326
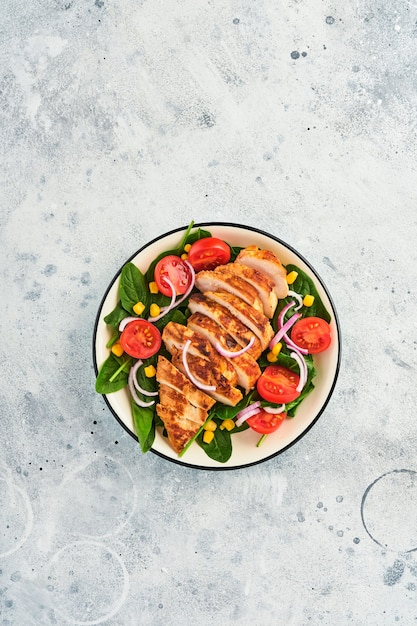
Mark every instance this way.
x=245 y=451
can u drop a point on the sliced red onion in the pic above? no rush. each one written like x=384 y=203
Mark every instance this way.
x=247 y=412
x=125 y=322
x=174 y=303
x=134 y=370
x=274 y=409
x=303 y=369
x=193 y=379
x=165 y=309
x=294 y=346
x=283 y=330
x=229 y=353
x=135 y=396
x=298 y=297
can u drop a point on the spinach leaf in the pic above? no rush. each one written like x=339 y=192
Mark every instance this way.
x=133 y=287
x=304 y=285
x=234 y=251
x=220 y=448
x=115 y=317
x=113 y=374
x=144 y=425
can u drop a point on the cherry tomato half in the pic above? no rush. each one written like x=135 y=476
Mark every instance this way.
x=208 y=253
x=278 y=384
x=176 y=270
x=266 y=423
x=140 y=339
x=311 y=333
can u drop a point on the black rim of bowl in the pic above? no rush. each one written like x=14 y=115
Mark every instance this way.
x=335 y=317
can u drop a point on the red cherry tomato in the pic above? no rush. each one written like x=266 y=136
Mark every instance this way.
x=173 y=268
x=266 y=423
x=208 y=253
x=311 y=333
x=140 y=339
x=278 y=384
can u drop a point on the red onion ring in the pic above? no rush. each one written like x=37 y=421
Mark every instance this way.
x=134 y=370
x=174 y=303
x=135 y=396
x=303 y=369
x=229 y=353
x=247 y=412
x=193 y=379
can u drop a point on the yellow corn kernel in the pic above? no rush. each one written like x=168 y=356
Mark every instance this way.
x=184 y=256
x=292 y=277
x=150 y=371
x=277 y=348
x=117 y=349
x=139 y=308
x=227 y=424
x=308 y=300
x=208 y=436
x=153 y=287
x=154 y=310
x=210 y=426
x=271 y=357
x=187 y=247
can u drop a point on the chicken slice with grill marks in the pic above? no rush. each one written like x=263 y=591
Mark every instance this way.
x=207 y=280
x=257 y=322
x=176 y=335
x=267 y=262
x=182 y=407
x=168 y=375
x=222 y=390
x=198 y=303
x=259 y=281
x=246 y=367
x=181 y=419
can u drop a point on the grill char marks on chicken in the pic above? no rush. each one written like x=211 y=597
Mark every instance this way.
x=231 y=282
x=257 y=322
x=263 y=285
x=198 y=303
x=206 y=365
x=266 y=262
x=175 y=337
x=182 y=407
x=246 y=367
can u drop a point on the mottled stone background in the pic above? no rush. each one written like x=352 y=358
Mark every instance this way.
x=120 y=121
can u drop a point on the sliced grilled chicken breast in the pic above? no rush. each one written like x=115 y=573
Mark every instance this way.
x=257 y=322
x=182 y=421
x=259 y=281
x=182 y=407
x=223 y=391
x=268 y=263
x=170 y=376
x=198 y=303
x=176 y=335
x=246 y=367
x=229 y=281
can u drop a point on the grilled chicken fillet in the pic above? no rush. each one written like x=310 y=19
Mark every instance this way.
x=167 y=374
x=198 y=303
x=175 y=337
x=223 y=391
x=229 y=281
x=266 y=262
x=246 y=367
x=182 y=407
x=257 y=322
x=259 y=281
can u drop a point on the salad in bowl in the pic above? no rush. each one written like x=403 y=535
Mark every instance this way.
x=216 y=346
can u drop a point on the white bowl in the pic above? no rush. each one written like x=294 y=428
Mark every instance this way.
x=245 y=452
